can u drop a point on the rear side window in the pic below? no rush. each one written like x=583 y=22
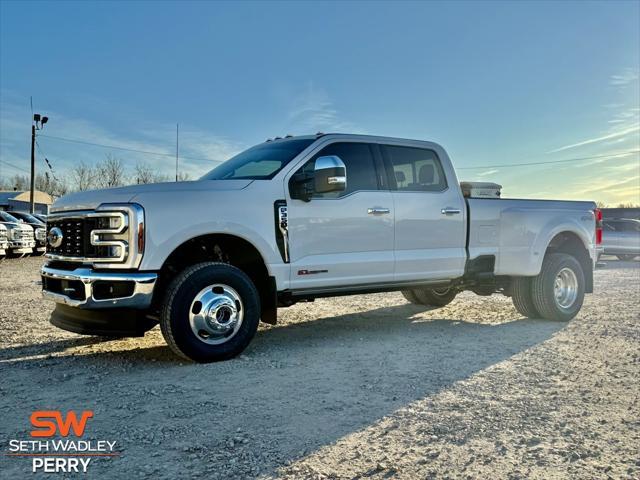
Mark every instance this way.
x=610 y=226
x=414 y=169
x=358 y=160
x=630 y=226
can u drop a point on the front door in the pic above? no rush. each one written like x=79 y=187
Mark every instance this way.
x=343 y=238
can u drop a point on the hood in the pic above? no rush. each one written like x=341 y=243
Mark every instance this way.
x=91 y=199
x=19 y=226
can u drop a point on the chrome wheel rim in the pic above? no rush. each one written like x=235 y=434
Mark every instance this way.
x=565 y=288
x=216 y=314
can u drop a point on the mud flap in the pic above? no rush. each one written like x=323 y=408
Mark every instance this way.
x=268 y=298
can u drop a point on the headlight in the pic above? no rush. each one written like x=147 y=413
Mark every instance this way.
x=14 y=233
x=111 y=237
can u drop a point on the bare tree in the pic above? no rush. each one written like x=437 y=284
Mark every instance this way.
x=49 y=184
x=145 y=173
x=83 y=177
x=60 y=188
x=601 y=204
x=17 y=182
x=110 y=172
x=183 y=177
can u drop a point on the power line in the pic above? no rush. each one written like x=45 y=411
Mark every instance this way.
x=82 y=142
x=511 y=165
x=47 y=162
x=14 y=166
x=627 y=152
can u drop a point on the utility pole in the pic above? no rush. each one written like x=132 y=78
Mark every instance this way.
x=177 y=126
x=37 y=124
x=33 y=169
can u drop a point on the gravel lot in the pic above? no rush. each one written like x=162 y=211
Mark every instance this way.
x=354 y=387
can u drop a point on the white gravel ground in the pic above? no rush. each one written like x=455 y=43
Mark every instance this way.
x=354 y=387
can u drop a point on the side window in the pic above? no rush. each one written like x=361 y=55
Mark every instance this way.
x=358 y=160
x=415 y=169
x=630 y=227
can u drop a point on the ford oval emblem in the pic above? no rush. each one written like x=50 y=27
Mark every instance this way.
x=54 y=237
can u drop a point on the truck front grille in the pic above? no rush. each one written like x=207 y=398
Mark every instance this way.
x=25 y=235
x=76 y=237
x=73 y=233
x=111 y=236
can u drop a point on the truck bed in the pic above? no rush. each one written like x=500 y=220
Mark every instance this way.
x=517 y=231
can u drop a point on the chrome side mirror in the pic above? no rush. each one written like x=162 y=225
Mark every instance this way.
x=329 y=175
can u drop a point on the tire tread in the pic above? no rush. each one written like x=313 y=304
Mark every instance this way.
x=522 y=297
x=542 y=287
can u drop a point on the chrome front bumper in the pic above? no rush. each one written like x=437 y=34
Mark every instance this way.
x=22 y=246
x=84 y=279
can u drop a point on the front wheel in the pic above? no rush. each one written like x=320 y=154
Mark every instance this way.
x=558 y=291
x=430 y=297
x=211 y=312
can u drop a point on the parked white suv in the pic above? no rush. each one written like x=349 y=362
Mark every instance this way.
x=299 y=218
x=20 y=236
x=4 y=240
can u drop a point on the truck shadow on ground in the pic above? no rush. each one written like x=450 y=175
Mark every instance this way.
x=297 y=388
x=48 y=348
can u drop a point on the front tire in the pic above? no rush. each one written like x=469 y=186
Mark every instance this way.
x=211 y=312
x=558 y=291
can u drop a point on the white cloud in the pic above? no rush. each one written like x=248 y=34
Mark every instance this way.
x=628 y=76
x=199 y=150
x=313 y=111
x=487 y=173
x=616 y=134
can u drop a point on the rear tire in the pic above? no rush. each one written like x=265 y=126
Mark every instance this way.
x=558 y=291
x=210 y=312
x=411 y=297
x=522 y=298
x=430 y=297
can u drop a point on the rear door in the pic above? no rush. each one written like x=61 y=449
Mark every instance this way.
x=429 y=215
x=343 y=238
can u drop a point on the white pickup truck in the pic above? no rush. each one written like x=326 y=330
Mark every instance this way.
x=298 y=218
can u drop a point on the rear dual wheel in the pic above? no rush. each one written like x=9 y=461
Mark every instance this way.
x=557 y=293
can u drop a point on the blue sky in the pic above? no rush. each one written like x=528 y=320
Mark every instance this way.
x=494 y=83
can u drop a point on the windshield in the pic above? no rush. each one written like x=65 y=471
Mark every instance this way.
x=26 y=217
x=5 y=217
x=261 y=162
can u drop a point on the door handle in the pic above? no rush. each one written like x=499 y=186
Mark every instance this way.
x=378 y=211
x=450 y=211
